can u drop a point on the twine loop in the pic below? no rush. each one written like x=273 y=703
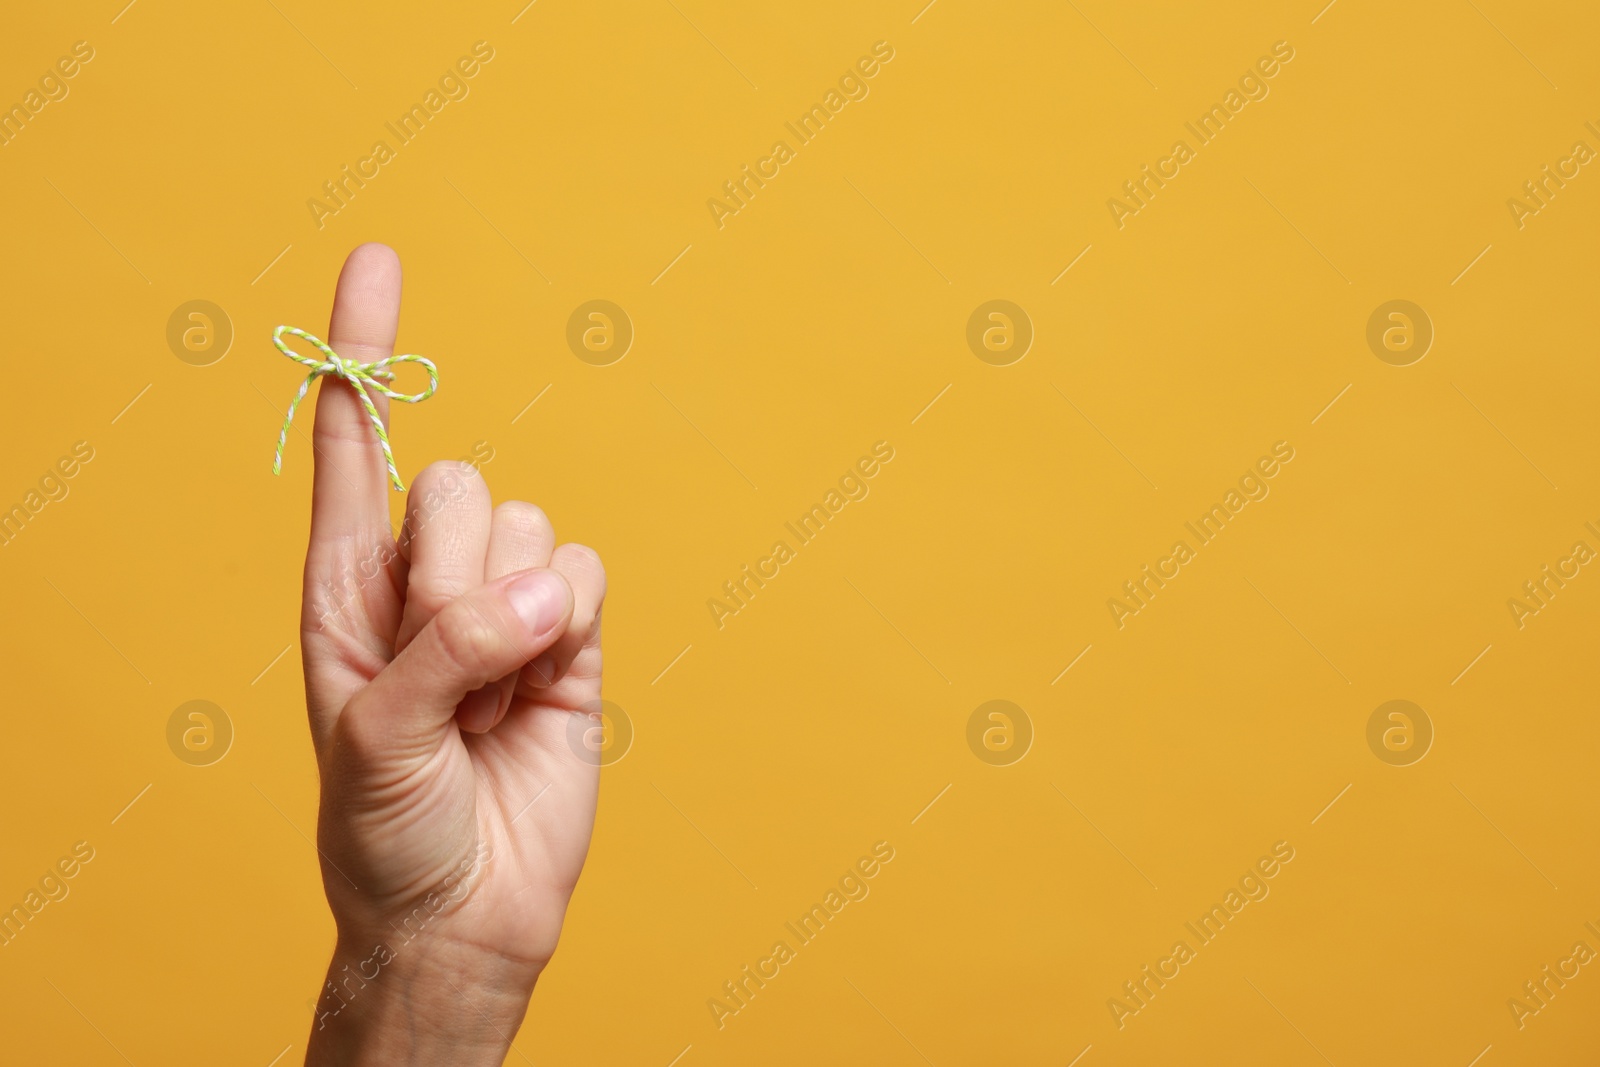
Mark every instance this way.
x=362 y=377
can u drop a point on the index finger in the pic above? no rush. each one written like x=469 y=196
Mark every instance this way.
x=349 y=497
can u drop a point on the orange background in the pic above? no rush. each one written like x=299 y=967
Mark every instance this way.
x=832 y=712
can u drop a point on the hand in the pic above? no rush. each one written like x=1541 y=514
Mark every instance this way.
x=444 y=675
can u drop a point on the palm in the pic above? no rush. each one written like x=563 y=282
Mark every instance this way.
x=535 y=806
x=519 y=792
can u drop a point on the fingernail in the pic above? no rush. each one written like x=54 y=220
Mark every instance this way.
x=477 y=711
x=539 y=599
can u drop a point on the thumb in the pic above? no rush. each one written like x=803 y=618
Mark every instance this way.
x=477 y=638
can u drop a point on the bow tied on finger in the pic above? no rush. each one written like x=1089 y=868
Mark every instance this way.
x=362 y=377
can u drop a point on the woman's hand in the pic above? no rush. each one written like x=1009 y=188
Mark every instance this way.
x=451 y=680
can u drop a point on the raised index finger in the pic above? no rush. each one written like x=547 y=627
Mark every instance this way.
x=349 y=499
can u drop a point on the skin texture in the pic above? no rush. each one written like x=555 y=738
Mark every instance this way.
x=444 y=674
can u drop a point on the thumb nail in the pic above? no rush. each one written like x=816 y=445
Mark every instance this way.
x=539 y=598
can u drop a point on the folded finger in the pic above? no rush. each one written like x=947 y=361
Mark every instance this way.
x=520 y=539
x=581 y=567
x=446 y=538
x=479 y=637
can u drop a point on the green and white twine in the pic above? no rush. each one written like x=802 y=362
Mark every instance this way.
x=361 y=376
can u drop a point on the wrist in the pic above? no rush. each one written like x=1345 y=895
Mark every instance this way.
x=427 y=1000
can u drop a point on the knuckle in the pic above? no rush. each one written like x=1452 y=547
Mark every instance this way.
x=465 y=638
x=586 y=553
x=522 y=518
x=359 y=734
x=437 y=588
x=449 y=481
x=586 y=562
